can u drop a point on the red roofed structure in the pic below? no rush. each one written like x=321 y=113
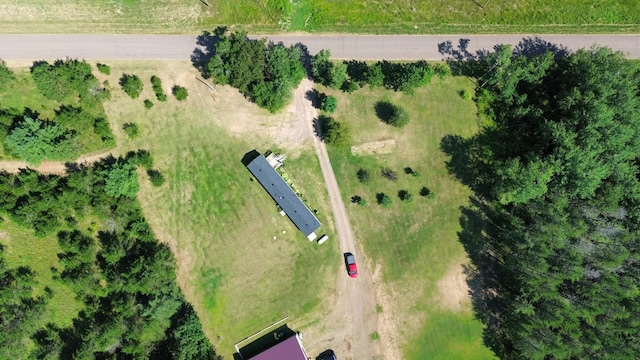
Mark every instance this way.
x=288 y=349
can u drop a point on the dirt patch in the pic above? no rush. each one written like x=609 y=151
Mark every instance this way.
x=50 y=167
x=374 y=148
x=387 y=320
x=453 y=292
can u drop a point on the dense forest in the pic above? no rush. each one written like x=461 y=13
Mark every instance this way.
x=553 y=227
x=125 y=279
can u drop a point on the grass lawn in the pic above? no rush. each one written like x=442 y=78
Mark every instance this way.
x=241 y=264
x=22 y=94
x=415 y=243
x=24 y=248
x=358 y=16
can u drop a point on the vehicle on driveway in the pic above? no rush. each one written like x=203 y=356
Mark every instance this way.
x=350 y=263
x=327 y=355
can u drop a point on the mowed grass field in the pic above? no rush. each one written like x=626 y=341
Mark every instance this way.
x=240 y=263
x=415 y=243
x=353 y=16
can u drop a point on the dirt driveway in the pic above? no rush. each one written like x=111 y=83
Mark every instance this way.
x=50 y=167
x=353 y=318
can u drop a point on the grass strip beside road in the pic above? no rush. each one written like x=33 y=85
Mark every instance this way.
x=348 y=16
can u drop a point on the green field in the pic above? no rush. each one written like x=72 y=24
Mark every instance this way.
x=243 y=266
x=236 y=265
x=415 y=243
x=350 y=16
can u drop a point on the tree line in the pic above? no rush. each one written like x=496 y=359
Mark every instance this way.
x=266 y=73
x=125 y=279
x=552 y=230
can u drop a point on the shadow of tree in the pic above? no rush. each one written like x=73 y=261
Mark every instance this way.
x=465 y=63
x=205 y=49
x=318 y=124
x=305 y=57
x=534 y=46
x=315 y=96
x=384 y=110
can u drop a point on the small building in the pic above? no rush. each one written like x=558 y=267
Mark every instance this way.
x=288 y=349
x=284 y=196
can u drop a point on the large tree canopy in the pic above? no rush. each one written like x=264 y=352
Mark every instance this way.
x=264 y=72
x=553 y=231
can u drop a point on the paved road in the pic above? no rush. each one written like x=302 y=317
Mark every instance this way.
x=362 y=47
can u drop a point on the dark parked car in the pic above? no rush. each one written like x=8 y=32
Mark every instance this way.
x=327 y=355
x=350 y=262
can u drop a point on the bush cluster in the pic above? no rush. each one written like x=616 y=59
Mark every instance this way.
x=391 y=114
x=156 y=84
x=6 y=75
x=333 y=132
x=353 y=74
x=132 y=85
x=103 y=68
x=131 y=130
x=180 y=92
x=328 y=103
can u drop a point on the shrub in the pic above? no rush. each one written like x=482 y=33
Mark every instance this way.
x=410 y=171
x=148 y=104
x=179 y=92
x=427 y=193
x=350 y=86
x=361 y=202
x=391 y=114
x=6 y=75
x=383 y=199
x=131 y=129
x=334 y=132
x=388 y=174
x=441 y=70
x=131 y=84
x=405 y=196
x=103 y=130
x=363 y=176
x=103 y=68
x=156 y=178
x=399 y=118
x=156 y=84
x=329 y=104
x=140 y=158
x=465 y=94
